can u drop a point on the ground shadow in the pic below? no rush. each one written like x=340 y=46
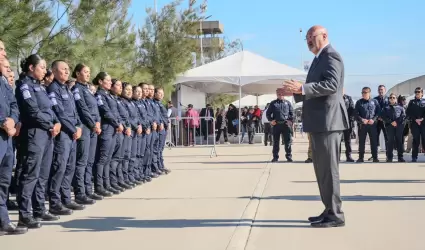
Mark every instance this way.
x=344 y=198
x=102 y=224
x=213 y=169
x=370 y=181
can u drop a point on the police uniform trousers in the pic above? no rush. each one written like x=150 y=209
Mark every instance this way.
x=381 y=127
x=347 y=142
x=105 y=148
x=17 y=163
x=63 y=169
x=161 y=144
x=155 y=151
x=6 y=167
x=133 y=164
x=86 y=151
x=116 y=161
x=395 y=138
x=123 y=171
x=268 y=133
x=144 y=154
x=278 y=129
x=418 y=133
x=371 y=130
x=36 y=157
x=141 y=150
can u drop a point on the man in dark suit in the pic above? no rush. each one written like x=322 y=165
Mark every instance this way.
x=325 y=118
x=206 y=115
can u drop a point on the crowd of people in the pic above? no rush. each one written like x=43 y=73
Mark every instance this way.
x=59 y=136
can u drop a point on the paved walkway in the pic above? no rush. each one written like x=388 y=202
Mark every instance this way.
x=240 y=201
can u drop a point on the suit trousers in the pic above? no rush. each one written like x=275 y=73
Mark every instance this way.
x=326 y=147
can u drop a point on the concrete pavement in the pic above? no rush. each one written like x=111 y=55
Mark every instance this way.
x=240 y=201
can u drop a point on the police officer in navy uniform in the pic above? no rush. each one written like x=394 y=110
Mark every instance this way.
x=65 y=151
x=116 y=171
x=383 y=102
x=416 y=113
x=366 y=112
x=146 y=123
x=394 y=117
x=281 y=114
x=159 y=95
x=88 y=112
x=111 y=126
x=130 y=166
x=156 y=171
x=349 y=104
x=39 y=127
x=9 y=116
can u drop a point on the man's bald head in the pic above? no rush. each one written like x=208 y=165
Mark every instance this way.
x=317 y=38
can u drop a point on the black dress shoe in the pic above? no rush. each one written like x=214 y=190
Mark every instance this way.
x=113 y=190
x=414 y=160
x=389 y=160
x=154 y=175
x=60 y=210
x=74 y=206
x=316 y=218
x=289 y=159
x=116 y=187
x=328 y=223
x=84 y=200
x=360 y=160
x=104 y=193
x=95 y=196
x=46 y=216
x=125 y=185
x=375 y=160
x=275 y=160
x=309 y=160
x=148 y=179
x=30 y=223
x=12 y=229
x=12 y=205
x=401 y=160
x=167 y=171
x=349 y=159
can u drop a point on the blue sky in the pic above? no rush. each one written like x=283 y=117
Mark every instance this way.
x=379 y=40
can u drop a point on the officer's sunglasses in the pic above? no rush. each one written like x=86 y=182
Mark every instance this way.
x=418 y=92
x=365 y=92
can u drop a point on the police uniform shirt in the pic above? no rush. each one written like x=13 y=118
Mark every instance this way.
x=8 y=105
x=382 y=101
x=122 y=110
x=64 y=106
x=367 y=109
x=393 y=113
x=107 y=108
x=163 y=113
x=416 y=109
x=145 y=119
x=86 y=104
x=133 y=113
x=34 y=104
x=280 y=110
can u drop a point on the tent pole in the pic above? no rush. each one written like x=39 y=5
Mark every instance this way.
x=240 y=122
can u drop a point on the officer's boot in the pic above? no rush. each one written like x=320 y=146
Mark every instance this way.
x=361 y=158
x=349 y=158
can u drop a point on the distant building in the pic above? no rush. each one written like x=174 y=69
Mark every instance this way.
x=407 y=88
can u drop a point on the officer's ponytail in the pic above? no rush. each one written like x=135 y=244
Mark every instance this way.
x=33 y=60
x=100 y=76
x=77 y=69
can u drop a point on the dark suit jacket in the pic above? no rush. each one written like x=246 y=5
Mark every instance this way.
x=323 y=104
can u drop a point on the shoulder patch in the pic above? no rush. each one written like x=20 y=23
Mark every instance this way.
x=52 y=97
x=99 y=100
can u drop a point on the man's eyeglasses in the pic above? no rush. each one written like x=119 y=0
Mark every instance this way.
x=418 y=92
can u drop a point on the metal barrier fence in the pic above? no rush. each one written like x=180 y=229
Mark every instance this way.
x=193 y=131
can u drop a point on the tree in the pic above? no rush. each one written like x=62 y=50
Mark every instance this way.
x=21 y=22
x=166 y=43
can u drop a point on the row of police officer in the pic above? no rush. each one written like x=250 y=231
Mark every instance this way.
x=71 y=139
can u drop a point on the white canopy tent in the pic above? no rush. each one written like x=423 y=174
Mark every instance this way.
x=261 y=101
x=241 y=73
